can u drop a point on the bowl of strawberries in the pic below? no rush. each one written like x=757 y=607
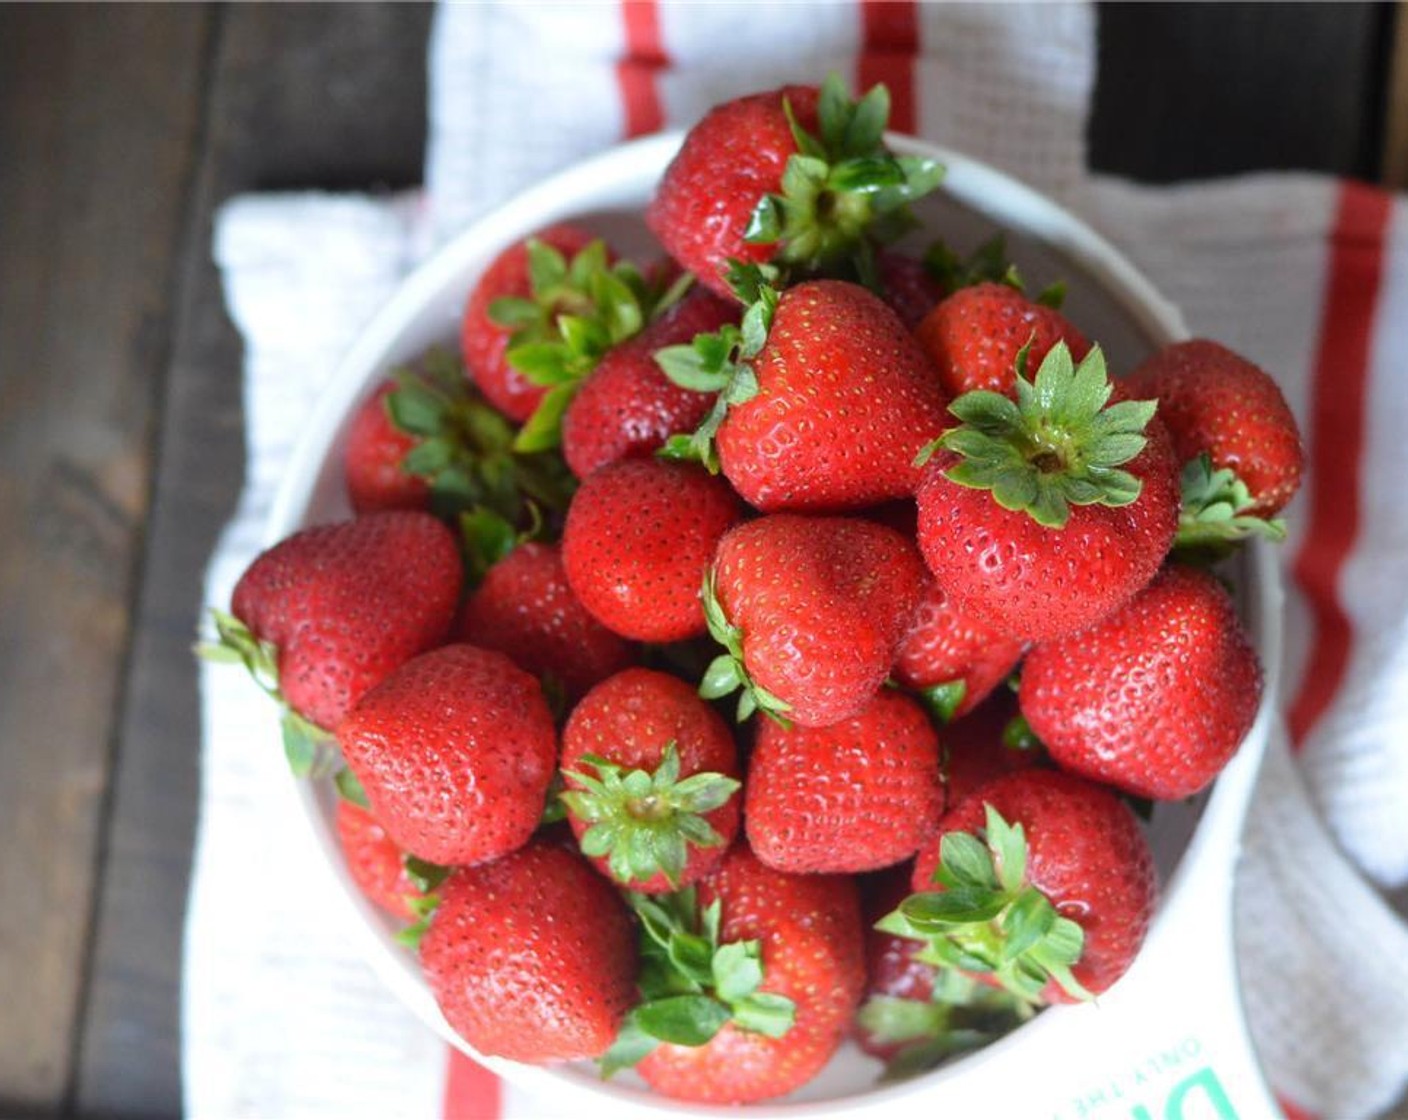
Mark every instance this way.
x=741 y=643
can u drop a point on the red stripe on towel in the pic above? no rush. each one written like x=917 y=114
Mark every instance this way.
x=890 y=40
x=471 y=1091
x=1336 y=442
x=637 y=70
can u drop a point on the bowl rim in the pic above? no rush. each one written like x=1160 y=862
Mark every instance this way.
x=986 y=190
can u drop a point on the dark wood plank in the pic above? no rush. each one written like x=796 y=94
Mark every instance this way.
x=96 y=120
x=300 y=97
x=1191 y=91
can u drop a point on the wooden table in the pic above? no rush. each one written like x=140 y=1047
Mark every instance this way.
x=121 y=130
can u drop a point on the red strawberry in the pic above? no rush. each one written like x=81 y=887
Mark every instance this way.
x=375 y=861
x=627 y=407
x=860 y=794
x=738 y=188
x=916 y=1014
x=908 y=287
x=845 y=400
x=344 y=605
x=638 y=539
x=1051 y=511
x=976 y=747
x=673 y=823
x=455 y=751
x=525 y=608
x=1216 y=403
x=790 y=948
x=975 y=335
x=485 y=342
x=1066 y=854
x=954 y=660
x=372 y=459
x=1156 y=698
x=811 y=611
x=531 y=957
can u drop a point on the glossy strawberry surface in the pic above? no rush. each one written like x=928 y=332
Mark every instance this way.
x=976 y=751
x=1085 y=853
x=823 y=603
x=627 y=407
x=1031 y=582
x=532 y=957
x=1216 y=402
x=1156 y=698
x=374 y=861
x=525 y=608
x=372 y=460
x=846 y=400
x=347 y=603
x=945 y=645
x=629 y=720
x=638 y=539
x=729 y=161
x=455 y=751
x=905 y=284
x=975 y=335
x=857 y=795
x=812 y=952
x=485 y=343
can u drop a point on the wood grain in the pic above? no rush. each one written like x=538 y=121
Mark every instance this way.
x=89 y=219
x=300 y=97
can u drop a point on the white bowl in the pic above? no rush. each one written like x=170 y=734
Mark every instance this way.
x=1174 y=1020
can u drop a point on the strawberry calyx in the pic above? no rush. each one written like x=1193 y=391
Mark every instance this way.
x=727 y=672
x=466 y=450
x=1059 y=444
x=642 y=822
x=426 y=877
x=692 y=985
x=577 y=310
x=310 y=750
x=1215 y=518
x=843 y=193
x=942 y=700
x=987 y=264
x=961 y=1015
x=720 y=362
x=988 y=919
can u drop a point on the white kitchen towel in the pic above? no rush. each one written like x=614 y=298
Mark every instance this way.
x=1305 y=275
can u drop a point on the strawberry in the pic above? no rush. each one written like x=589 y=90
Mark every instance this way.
x=651 y=774
x=372 y=459
x=375 y=861
x=324 y=615
x=485 y=342
x=455 y=751
x=1048 y=512
x=1154 y=699
x=427 y=439
x=916 y=1014
x=810 y=611
x=907 y=286
x=1040 y=882
x=525 y=608
x=748 y=990
x=531 y=957
x=856 y=795
x=1235 y=434
x=976 y=335
x=627 y=407
x=541 y=318
x=639 y=536
x=952 y=660
x=796 y=175
x=824 y=398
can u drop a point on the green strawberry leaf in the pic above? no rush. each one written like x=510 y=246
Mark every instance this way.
x=942 y=701
x=350 y=789
x=1217 y=514
x=1058 y=444
x=426 y=876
